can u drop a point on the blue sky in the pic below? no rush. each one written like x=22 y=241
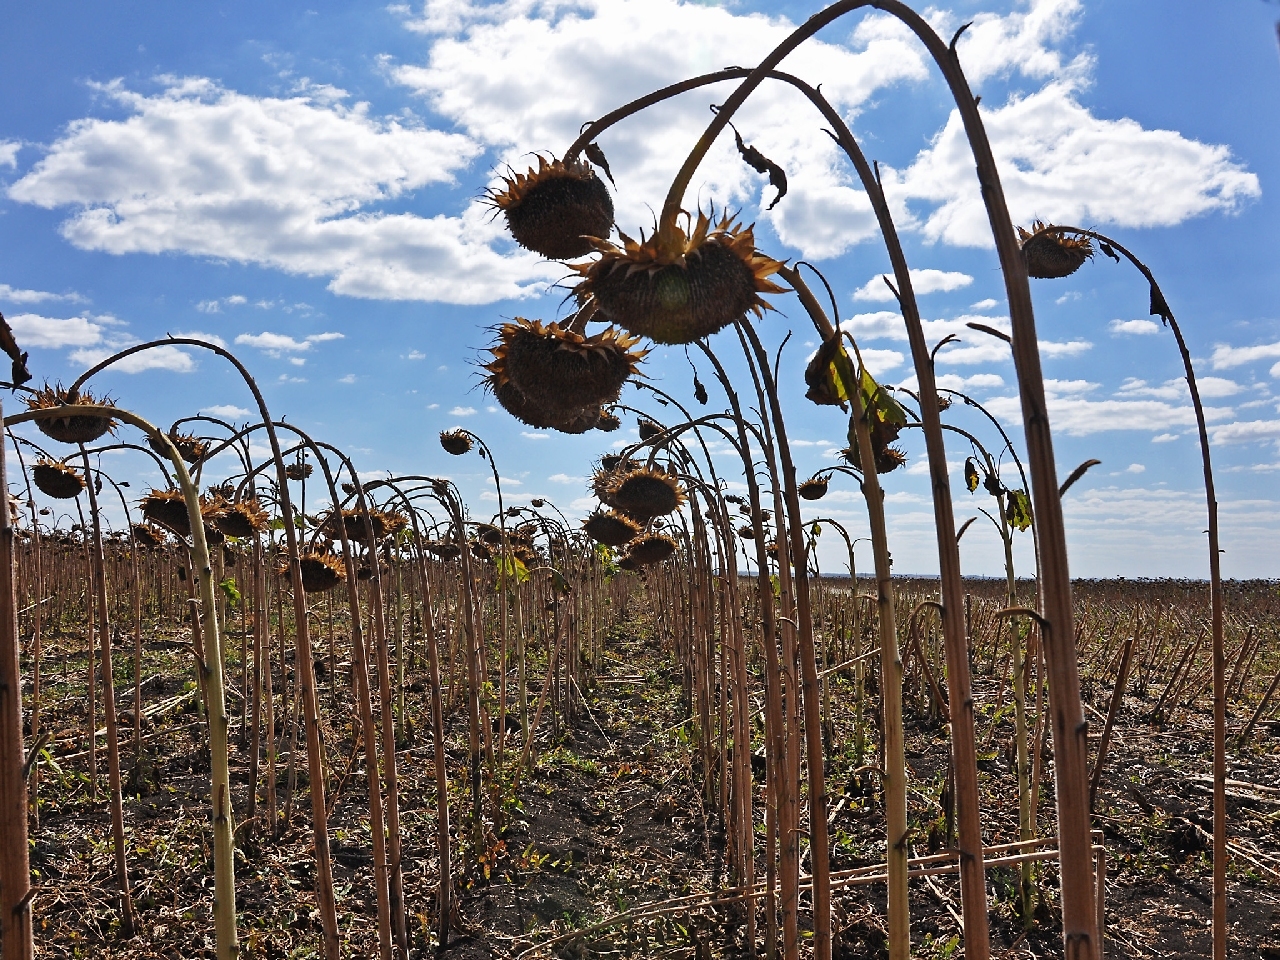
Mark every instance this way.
x=301 y=181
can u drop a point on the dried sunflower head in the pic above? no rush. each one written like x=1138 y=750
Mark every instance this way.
x=651 y=549
x=612 y=529
x=542 y=417
x=456 y=442
x=890 y=459
x=242 y=519
x=298 y=471
x=56 y=479
x=558 y=368
x=71 y=427
x=146 y=536
x=190 y=448
x=815 y=488
x=646 y=492
x=678 y=287
x=321 y=572
x=608 y=422
x=554 y=209
x=648 y=430
x=1052 y=254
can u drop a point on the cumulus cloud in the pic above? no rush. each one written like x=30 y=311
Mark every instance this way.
x=16 y=295
x=1074 y=413
x=1226 y=356
x=278 y=344
x=1246 y=431
x=33 y=330
x=314 y=184
x=157 y=358
x=284 y=182
x=462 y=411
x=922 y=281
x=225 y=411
x=1176 y=389
x=1137 y=327
x=9 y=153
x=1059 y=162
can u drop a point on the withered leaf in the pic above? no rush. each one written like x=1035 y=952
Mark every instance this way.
x=596 y=156
x=762 y=164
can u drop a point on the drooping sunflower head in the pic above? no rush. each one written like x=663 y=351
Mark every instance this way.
x=553 y=209
x=56 y=479
x=298 y=471
x=815 y=488
x=608 y=422
x=890 y=459
x=542 y=417
x=611 y=528
x=321 y=572
x=190 y=447
x=455 y=442
x=167 y=508
x=651 y=549
x=242 y=519
x=70 y=427
x=678 y=286
x=146 y=536
x=556 y=367
x=646 y=492
x=1052 y=254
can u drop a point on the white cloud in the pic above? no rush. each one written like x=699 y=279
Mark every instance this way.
x=565 y=478
x=1073 y=413
x=9 y=153
x=1275 y=371
x=32 y=330
x=1176 y=389
x=1246 y=431
x=1139 y=327
x=1071 y=348
x=349 y=378
x=1060 y=163
x=201 y=335
x=215 y=306
x=281 y=182
x=15 y=295
x=462 y=411
x=1135 y=468
x=315 y=185
x=1225 y=355
x=157 y=358
x=226 y=411
x=1164 y=438
x=881 y=361
x=531 y=435
x=277 y=344
x=415 y=355
x=982 y=305
x=922 y=282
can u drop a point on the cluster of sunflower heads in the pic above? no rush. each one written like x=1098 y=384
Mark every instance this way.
x=1052 y=253
x=70 y=427
x=554 y=209
x=679 y=285
x=635 y=495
